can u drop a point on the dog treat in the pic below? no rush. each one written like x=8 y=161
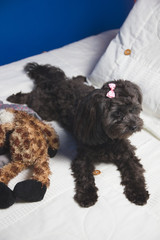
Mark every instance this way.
x=96 y=172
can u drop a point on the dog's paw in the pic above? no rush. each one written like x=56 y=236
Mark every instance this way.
x=15 y=98
x=87 y=197
x=138 y=195
x=11 y=98
x=7 y=198
x=30 y=190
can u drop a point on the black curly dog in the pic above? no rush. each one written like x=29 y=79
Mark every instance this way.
x=101 y=126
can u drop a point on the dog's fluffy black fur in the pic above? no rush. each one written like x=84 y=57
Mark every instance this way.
x=101 y=126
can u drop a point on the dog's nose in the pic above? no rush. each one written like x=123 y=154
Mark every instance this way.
x=133 y=128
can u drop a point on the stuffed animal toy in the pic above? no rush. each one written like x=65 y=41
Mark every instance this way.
x=31 y=142
x=19 y=107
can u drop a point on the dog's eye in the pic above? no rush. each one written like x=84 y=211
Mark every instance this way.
x=134 y=110
x=131 y=111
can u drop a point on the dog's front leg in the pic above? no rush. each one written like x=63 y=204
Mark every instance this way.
x=132 y=176
x=86 y=191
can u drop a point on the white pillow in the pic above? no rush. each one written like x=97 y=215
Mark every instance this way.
x=140 y=34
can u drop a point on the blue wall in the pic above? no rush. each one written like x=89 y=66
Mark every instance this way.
x=29 y=27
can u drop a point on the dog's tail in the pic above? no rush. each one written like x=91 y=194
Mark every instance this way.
x=41 y=73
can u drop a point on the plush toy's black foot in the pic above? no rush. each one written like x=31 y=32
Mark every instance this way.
x=3 y=150
x=6 y=196
x=52 y=152
x=30 y=190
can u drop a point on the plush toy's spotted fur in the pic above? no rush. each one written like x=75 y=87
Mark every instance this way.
x=29 y=141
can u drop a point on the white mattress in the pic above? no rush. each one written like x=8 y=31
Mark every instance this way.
x=58 y=216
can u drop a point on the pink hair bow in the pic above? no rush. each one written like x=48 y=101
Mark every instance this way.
x=111 y=93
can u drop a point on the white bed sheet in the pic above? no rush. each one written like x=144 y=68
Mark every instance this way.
x=58 y=216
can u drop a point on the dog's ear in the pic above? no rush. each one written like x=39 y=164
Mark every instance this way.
x=138 y=94
x=88 y=118
x=135 y=91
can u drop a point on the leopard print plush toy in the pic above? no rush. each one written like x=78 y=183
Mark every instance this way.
x=30 y=143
